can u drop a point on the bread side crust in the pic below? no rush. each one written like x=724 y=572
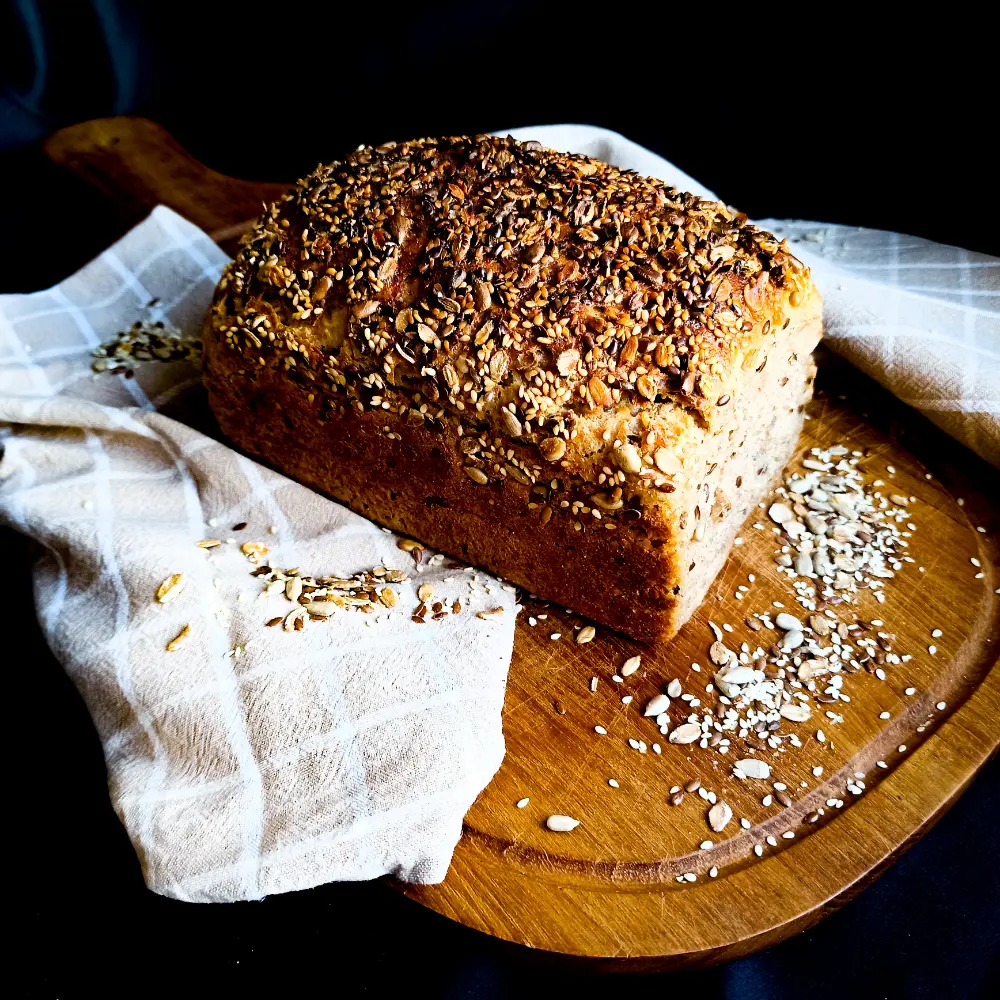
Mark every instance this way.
x=643 y=578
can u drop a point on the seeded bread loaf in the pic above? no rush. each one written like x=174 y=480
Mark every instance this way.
x=576 y=377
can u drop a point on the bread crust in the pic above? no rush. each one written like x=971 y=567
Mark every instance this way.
x=530 y=360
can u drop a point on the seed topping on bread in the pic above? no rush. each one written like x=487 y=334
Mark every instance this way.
x=511 y=290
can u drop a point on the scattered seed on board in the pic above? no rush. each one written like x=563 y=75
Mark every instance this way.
x=788 y=622
x=630 y=666
x=586 y=634
x=687 y=733
x=657 y=705
x=491 y=613
x=753 y=768
x=719 y=816
x=521 y=803
x=561 y=824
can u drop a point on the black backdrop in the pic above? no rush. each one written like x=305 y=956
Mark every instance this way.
x=846 y=115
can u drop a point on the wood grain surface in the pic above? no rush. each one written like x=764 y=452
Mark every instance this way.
x=608 y=892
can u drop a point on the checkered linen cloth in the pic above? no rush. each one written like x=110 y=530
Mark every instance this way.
x=346 y=750
x=355 y=747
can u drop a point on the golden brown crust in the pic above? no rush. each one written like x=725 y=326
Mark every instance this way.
x=555 y=326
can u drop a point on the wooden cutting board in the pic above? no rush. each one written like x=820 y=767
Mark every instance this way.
x=613 y=890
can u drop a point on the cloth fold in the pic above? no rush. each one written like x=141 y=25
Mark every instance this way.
x=249 y=760
x=254 y=759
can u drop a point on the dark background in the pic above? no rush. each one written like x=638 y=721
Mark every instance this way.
x=850 y=116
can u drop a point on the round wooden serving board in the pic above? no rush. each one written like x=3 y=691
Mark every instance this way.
x=609 y=891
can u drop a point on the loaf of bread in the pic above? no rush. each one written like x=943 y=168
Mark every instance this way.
x=576 y=377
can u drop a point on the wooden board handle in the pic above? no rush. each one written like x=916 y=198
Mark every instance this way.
x=138 y=164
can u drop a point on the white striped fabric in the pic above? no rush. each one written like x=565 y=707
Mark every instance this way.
x=347 y=750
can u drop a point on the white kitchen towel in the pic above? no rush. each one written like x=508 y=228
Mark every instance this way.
x=250 y=760
x=919 y=317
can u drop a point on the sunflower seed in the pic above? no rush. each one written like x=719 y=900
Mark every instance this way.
x=552 y=449
x=628 y=459
x=787 y=622
x=720 y=654
x=780 y=513
x=753 y=768
x=322 y=609
x=719 y=816
x=792 y=640
x=481 y=294
x=511 y=424
x=294 y=619
x=630 y=666
x=170 y=588
x=254 y=550
x=686 y=733
x=820 y=624
x=656 y=705
x=179 y=638
x=795 y=711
